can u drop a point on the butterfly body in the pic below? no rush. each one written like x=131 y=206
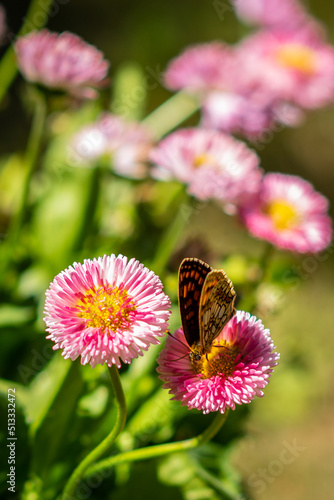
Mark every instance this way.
x=206 y=299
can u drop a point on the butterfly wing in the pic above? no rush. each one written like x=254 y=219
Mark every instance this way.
x=216 y=307
x=192 y=274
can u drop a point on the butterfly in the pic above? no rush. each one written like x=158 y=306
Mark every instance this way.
x=206 y=300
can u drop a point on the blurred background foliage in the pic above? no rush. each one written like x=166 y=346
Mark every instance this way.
x=64 y=409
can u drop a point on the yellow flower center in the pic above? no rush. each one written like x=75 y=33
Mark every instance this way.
x=283 y=214
x=203 y=159
x=106 y=308
x=219 y=360
x=297 y=56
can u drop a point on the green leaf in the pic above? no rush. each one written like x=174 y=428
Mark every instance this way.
x=129 y=99
x=57 y=219
x=43 y=390
x=176 y=469
x=52 y=431
x=13 y=452
x=21 y=392
x=179 y=470
x=94 y=404
x=11 y=181
x=202 y=473
x=11 y=315
x=154 y=417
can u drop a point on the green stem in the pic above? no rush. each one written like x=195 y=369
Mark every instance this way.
x=30 y=161
x=35 y=19
x=95 y=454
x=171 y=113
x=160 y=449
x=171 y=236
x=217 y=484
x=264 y=261
x=249 y=303
x=89 y=209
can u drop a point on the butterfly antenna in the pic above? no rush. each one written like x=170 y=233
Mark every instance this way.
x=177 y=359
x=178 y=340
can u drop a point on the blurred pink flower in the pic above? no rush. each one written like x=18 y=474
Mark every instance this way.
x=210 y=163
x=235 y=113
x=106 y=310
x=199 y=68
x=61 y=61
x=287 y=14
x=128 y=144
x=3 y=25
x=229 y=87
x=294 y=66
x=290 y=214
x=236 y=369
x=250 y=115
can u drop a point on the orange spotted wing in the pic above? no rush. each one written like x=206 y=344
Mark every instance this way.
x=192 y=274
x=216 y=307
x=206 y=299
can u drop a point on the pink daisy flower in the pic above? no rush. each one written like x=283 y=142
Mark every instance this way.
x=236 y=369
x=199 y=68
x=232 y=95
x=3 y=25
x=210 y=163
x=271 y=13
x=290 y=214
x=106 y=310
x=128 y=144
x=232 y=112
x=61 y=61
x=295 y=66
x=249 y=115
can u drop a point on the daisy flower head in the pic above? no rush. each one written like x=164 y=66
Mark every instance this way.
x=296 y=66
x=210 y=163
x=199 y=68
x=127 y=143
x=3 y=25
x=271 y=13
x=290 y=214
x=237 y=113
x=236 y=369
x=229 y=87
x=61 y=61
x=250 y=114
x=106 y=310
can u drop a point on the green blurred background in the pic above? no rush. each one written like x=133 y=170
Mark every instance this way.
x=299 y=402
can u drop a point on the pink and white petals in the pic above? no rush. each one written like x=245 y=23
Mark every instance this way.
x=126 y=143
x=62 y=61
x=199 y=68
x=290 y=214
x=252 y=367
x=213 y=165
x=106 y=310
x=297 y=66
x=3 y=25
x=287 y=14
